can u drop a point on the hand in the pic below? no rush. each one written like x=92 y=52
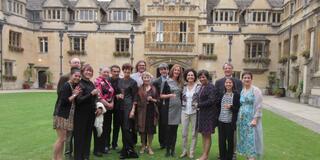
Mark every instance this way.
x=227 y=106
x=98 y=112
x=76 y=91
x=172 y=95
x=131 y=115
x=95 y=92
x=119 y=96
x=109 y=106
x=253 y=122
x=149 y=98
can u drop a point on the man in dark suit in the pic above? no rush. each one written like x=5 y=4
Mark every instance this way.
x=162 y=104
x=228 y=68
x=74 y=63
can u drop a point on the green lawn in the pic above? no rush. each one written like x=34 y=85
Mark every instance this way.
x=26 y=133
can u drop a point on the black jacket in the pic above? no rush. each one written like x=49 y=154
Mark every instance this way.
x=234 y=108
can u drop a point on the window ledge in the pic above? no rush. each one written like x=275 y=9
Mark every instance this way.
x=15 y=48
x=9 y=78
x=121 y=54
x=74 y=52
x=213 y=57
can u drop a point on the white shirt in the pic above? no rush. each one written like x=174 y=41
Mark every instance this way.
x=189 y=96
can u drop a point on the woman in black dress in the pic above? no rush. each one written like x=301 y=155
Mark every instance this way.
x=147 y=112
x=128 y=94
x=207 y=112
x=63 y=115
x=85 y=113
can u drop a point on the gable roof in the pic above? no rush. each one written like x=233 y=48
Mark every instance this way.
x=86 y=4
x=260 y=4
x=227 y=4
x=119 y=4
x=52 y=3
x=242 y=4
x=276 y=3
x=34 y=4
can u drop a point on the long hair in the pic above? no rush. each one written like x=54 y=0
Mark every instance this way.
x=180 y=77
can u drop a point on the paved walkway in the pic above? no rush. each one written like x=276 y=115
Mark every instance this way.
x=302 y=114
x=26 y=90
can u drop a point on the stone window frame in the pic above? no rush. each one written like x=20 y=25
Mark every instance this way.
x=81 y=43
x=16 y=7
x=15 y=38
x=159 y=31
x=275 y=17
x=208 y=49
x=86 y=15
x=124 y=14
x=43 y=44
x=8 y=67
x=224 y=16
x=183 y=32
x=53 y=14
x=259 y=16
x=261 y=49
x=122 y=44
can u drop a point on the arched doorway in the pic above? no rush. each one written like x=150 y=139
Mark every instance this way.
x=42 y=79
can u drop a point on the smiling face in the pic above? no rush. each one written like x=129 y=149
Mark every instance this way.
x=75 y=77
x=228 y=84
x=164 y=71
x=88 y=73
x=176 y=72
x=227 y=70
x=247 y=80
x=127 y=73
x=115 y=72
x=203 y=79
x=190 y=77
x=141 y=67
x=105 y=72
x=146 y=79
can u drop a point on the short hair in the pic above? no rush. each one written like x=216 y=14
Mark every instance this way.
x=185 y=74
x=127 y=66
x=74 y=70
x=141 y=61
x=114 y=66
x=144 y=74
x=228 y=64
x=103 y=67
x=246 y=73
x=85 y=67
x=205 y=73
x=75 y=58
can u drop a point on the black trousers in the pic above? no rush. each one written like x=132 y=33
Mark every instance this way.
x=172 y=137
x=226 y=143
x=163 y=125
x=101 y=142
x=127 y=126
x=115 y=127
x=83 y=125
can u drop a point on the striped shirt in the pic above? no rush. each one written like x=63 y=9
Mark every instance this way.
x=226 y=114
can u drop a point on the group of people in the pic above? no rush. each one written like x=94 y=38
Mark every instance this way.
x=140 y=103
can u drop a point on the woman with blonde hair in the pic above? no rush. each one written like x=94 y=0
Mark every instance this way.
x=172 y=90
x=147 y=112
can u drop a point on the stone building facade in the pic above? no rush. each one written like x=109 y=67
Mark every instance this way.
x=192 y=33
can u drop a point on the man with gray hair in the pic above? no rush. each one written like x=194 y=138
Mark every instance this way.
x=74 y=63
x=162 y=104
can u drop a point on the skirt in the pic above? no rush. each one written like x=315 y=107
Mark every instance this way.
x=63 y=123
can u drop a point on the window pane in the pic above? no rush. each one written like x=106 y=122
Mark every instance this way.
x=76 y=44
x=118 y=45
x=58 y=14
x=254 y=16
x=254 y=50
x=83 y=47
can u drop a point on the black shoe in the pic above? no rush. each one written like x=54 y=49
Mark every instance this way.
x=133 y=154
x=172 y=154
x=98 y=154
x=123 y=156
x=167 y=153
x=162 y=147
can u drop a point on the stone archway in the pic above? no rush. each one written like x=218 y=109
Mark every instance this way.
x=154 y=61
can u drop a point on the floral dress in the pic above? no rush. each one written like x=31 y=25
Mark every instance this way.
x=249 y=139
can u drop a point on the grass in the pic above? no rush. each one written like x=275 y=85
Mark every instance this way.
x=26 y=133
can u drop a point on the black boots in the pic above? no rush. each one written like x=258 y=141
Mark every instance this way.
x=170 y=152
